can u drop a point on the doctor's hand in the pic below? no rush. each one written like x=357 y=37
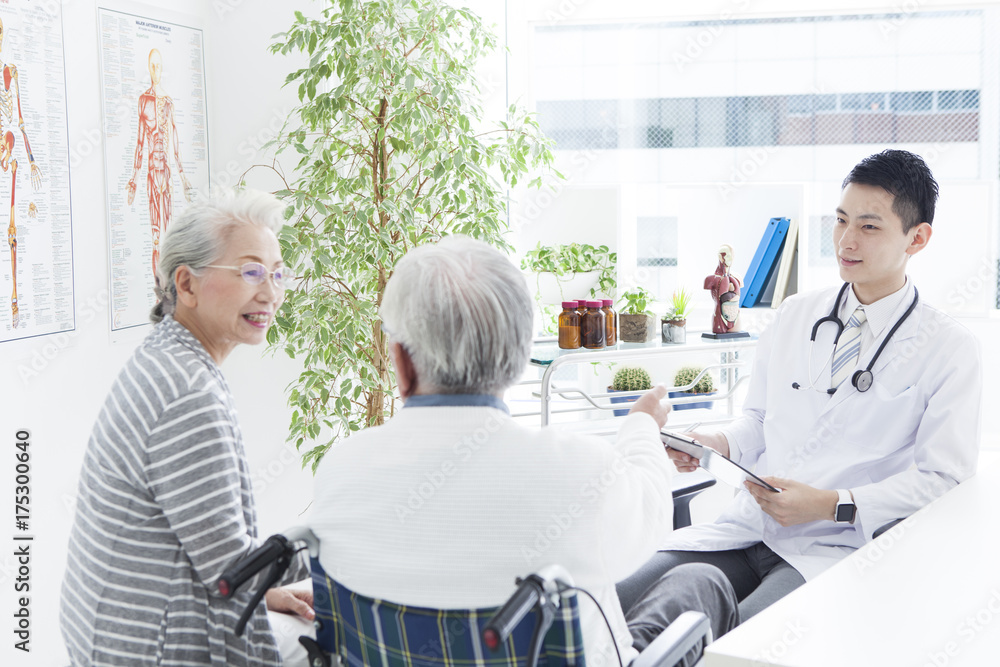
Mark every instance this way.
x=685 y=463
x=652 y=404
x=797 y=503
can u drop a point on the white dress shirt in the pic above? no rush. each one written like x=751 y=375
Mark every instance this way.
x=879 y=313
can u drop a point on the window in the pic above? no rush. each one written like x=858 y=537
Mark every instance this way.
x=656 y=253
x=920 y=101
x=958 y=99
x=863 y=102
x=847 y=118
x=821 y=240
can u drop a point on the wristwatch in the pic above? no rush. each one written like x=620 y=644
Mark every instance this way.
x=846 y=509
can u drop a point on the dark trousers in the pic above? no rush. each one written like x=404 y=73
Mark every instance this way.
x=758 y=576
x=688 y=587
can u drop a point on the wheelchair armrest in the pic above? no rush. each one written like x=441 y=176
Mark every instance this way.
x=886 y=528
x=685 y=488
x=676 y=641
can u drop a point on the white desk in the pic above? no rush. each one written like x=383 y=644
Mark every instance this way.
x=926 y=594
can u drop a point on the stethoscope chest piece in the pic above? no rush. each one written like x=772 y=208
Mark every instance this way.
x=863 y=380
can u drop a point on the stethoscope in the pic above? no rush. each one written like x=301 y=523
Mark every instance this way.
x=861 y=380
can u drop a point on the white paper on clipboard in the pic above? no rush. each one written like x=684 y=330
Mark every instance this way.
x=723 y=468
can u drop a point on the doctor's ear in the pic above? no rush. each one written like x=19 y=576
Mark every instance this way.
x=920 y=236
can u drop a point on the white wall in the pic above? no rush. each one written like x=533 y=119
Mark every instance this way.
x=54 y=385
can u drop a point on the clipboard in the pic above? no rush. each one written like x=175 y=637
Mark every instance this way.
x=723 y=468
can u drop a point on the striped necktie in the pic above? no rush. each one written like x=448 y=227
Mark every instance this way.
x=848 y=351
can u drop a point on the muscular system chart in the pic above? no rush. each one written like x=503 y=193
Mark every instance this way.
x=36 y=258
x=156 y=146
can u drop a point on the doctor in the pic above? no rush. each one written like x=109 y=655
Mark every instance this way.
x=863 y=407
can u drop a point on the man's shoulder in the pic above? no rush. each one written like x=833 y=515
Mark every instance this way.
x=938 y=324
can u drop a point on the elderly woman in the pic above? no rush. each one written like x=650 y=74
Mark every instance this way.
x=451 y=499
x=164 y=502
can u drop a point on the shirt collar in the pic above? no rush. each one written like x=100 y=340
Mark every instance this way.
x=452 y=400
x=879 y=313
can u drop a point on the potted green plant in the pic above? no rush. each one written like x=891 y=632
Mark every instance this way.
x=566 y=271
x=674 y=321
x=636 y=324
x=703 y=387
x=393 y=152
x=569 y=271
x=629 y=378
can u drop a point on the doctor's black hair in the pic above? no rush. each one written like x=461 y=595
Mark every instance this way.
x=906 y=177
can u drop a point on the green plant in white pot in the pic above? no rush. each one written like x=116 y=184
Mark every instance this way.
x=564 y=272
x=674 y=322
x=393 y=153
x=564 y=262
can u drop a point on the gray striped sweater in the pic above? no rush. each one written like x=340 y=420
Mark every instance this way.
x=164 y=506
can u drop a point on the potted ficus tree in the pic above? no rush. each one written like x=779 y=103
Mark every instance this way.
x=703 y=387
x=394 y=153
x=636 y=324
x=673 y=323
x=629 y=378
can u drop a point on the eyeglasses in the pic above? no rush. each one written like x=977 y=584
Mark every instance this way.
x=255 y=273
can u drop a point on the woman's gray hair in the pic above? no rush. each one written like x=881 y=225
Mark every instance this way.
x=463 y=312
x=198 y=236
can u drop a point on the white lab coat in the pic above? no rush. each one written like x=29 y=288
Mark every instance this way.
x=907 y=440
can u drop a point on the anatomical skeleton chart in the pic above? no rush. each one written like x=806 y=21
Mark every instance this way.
x=36 y=269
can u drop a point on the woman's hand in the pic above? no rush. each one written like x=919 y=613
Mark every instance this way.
x=289 y=600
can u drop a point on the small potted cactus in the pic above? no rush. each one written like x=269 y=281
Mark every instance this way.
x=629 y=378
x=704 y=387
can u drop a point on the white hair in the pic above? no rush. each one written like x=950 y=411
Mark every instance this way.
x=463 y=312
x=198 y=236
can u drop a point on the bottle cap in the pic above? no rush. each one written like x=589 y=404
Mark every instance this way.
x=582 y=302
x=594 y=304
x=571 y=305
x=606 y=302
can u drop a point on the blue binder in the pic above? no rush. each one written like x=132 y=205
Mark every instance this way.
x=764 y=262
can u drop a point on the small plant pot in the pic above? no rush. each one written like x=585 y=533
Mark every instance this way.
x=690 y=406
x=673 y=331
x=636 y=328
x=622 y=399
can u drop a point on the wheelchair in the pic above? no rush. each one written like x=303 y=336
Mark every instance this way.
x=355 y=631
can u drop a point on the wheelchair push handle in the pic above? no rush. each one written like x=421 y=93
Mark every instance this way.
x=524 y=599
x=272 y=549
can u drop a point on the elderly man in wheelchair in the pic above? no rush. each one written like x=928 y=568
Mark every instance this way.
x=420 y=528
